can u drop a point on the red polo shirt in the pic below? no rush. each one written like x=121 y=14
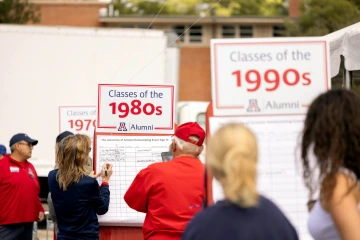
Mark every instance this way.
x=19 y=192
x=170 y=193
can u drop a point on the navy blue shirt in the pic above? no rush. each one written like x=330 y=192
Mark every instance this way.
x=225 y=220
x=76 y=208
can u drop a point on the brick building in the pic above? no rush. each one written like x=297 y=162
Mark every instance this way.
x=195 y=52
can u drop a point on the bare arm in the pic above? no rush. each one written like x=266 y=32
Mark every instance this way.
x=343 y=208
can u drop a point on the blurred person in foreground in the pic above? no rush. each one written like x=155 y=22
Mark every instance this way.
x=20 y=205
x=170 y=193
x=232 y=157
x=330 y=152
x=76 y=196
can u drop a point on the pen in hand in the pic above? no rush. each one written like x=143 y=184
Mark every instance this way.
x=106 y=172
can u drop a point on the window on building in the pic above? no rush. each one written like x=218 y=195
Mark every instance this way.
x=278 y=31
x=179 y=29
x=195 y=34
x=228 y=31
x=246 y=31
x=143 y=26
x=127 y=26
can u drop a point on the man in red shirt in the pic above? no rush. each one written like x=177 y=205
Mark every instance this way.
x=20 y=205
x=170 y=193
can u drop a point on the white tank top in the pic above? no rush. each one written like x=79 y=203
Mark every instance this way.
x=320 y=223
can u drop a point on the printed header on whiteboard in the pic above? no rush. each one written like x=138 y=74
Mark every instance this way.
x=129 y=108
x=268 y=76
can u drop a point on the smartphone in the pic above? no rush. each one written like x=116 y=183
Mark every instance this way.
x=166 y=156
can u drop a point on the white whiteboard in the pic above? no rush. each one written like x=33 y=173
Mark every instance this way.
x=129 y=155
x=279 y=168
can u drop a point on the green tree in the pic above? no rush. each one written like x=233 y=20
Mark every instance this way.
x=249 y=7
x=274 y=8
x=19 y=11
x=320 y=17
x=152 y=7
x=236 y=7
x=224 y=8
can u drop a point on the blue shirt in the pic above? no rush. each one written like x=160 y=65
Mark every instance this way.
x=225 y=220
x=76 y=208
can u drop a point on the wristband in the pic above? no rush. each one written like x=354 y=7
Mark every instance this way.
x=104 y=183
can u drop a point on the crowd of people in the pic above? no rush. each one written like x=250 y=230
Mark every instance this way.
x=171 y=193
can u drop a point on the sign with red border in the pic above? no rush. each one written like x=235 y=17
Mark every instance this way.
x=268 y=76
x=77 y=119
x=130 y=108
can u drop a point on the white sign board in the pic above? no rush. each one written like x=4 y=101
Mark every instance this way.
x=129 y=155
x=279 y=175
x=268 y=76
x=145 y=109
x=77 y=119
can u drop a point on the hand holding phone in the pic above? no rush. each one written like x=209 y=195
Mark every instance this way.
x=166 y=156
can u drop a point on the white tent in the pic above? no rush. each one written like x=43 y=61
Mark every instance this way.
x=345 y=42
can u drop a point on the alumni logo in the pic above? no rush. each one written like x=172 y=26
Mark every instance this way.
x=253 y=106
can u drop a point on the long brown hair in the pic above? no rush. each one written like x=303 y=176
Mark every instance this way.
x=72 y=155
x=332 y=127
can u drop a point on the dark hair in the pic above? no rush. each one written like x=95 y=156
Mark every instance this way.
x=332 y=126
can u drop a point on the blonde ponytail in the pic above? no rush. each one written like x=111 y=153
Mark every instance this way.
x=240 y=172
x=232 y=157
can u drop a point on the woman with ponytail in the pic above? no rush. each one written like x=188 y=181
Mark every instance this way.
x=231 y=157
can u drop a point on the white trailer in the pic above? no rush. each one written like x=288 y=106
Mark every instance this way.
x=42 y=68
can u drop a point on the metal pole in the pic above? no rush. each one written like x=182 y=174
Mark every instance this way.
x=347 y=79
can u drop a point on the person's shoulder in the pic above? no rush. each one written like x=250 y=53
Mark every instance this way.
x=204 y=220
x=155 y=167
x=31 y=165
x=4 y=161
x=269 y=208
x=88 y=181
x=209 y=213
x=265 y=202
x=52 y=174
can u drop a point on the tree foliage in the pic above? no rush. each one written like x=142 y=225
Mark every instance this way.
x=223 y=8
x=19 y=12
x=320 y=17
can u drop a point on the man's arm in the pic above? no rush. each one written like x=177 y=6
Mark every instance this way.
x=139 y=191
x=40 y=206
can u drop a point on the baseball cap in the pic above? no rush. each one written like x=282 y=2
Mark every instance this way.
x=2 y=149
x=63 y=135
x=22 y=137
x=185 y=130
